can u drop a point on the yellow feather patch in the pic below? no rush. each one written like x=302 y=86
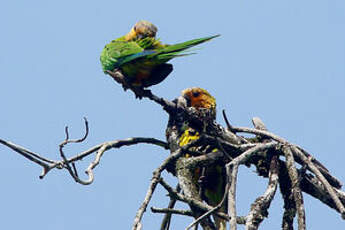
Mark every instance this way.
x=187 y=137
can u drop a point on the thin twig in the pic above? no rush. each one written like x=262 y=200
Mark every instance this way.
x=172 y=211
x=155 y=179
x=191 y=201
x=296 y=190
x=105 y=147
x=119 y=144
x=34 y=157
x=218 y=206
x=226 y=190
x=313 y=186
x=259 y=208
x=323 y=180
x=331 y=179
x=334 y=181
x=167 y=217
x=67 y=140
x=185 y=174
x=289 y=203
x=66 y=163
x=75 y=171
x=230 y=127
x=232 y=169
x=260 y=132
x=220 y=146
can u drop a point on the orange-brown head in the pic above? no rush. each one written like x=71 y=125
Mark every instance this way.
x=199 y=98
x=141 y=29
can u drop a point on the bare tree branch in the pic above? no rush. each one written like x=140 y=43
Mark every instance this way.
x=73 y=172
x=154 y=181
x=332 y=180
x=232 y=169
x=34 y=157
x=191 y=201
x=214 y=209
x=259 y=209
x=312 y=186
x=233 y=150
x=100 y=149
x=296 y=191
x=167 y=217
x=289 y=203
x=140 y=92
x=172 y=211
x=323 y=180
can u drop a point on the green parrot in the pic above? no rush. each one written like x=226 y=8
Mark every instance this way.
x=141 y=57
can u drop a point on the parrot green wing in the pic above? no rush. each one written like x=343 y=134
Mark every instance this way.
x=167 y=52
x=115 y=50
x=119 y=51
x=163 y=53
x=171 y=51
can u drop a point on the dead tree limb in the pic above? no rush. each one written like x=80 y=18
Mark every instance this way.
x=323 y=180
x=165 y=225
x=48 y=164
x=296 y=190
x=259 y=209
x=172 y=211
x=232 y=169
x=265 y=151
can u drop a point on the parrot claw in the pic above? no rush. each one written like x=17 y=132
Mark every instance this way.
x=140 y=92
x=124 y=87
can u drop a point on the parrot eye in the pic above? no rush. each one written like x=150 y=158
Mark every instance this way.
x=135 y=28
x=196 y=94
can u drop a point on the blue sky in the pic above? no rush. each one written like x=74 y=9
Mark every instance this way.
x=283 y=61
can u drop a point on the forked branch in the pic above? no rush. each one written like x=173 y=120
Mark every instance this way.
x=273 y=156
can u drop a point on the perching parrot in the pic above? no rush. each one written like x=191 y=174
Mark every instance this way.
x=141 y=57
x=214 y=178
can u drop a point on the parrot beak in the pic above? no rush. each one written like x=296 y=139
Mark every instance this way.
x=131 y=35
x=140 y=36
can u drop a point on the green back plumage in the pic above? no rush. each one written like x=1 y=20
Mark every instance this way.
x=142 y=51
x=115 y=50
x=118 y=52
